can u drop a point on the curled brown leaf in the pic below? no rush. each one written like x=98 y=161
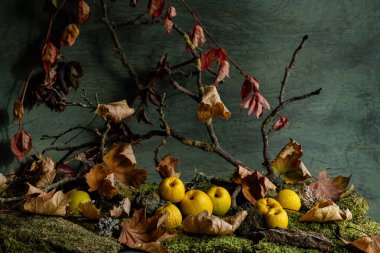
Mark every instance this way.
x=115 y=112
x=166 y=166
x=368 y=244
x=326 y=211
x=21 y=144
x=48 y=204
x=89 y=210
x=211 y=106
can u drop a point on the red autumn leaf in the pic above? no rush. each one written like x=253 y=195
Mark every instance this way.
x=280 y=123
x=368 y=244
x=224 y=71
x=21 y=144
x=49 y=55
x=330 y=188
x=255 y=105
x=83 y=12
x=69 y=35
x=197 y=36
x=166 y=167
x=168 y=20
x=155 y=7
x=65 y=169
x=209 y=57
x=249 y=83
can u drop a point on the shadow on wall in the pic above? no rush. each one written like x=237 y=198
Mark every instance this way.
x=6 y=156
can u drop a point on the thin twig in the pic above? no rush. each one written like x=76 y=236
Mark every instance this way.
x=182 y=89
x=134 y=21
x=104 y=139
x=234 y=196
x=65 y=148
x=56 y=137
x=157 y=150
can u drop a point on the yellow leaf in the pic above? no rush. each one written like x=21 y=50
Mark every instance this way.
x=70 y=34
x=211 y=106
x=48 y=205
x=205 y=223
x=115 y=112
x=325 y=211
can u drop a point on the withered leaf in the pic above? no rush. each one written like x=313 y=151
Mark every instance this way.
x=280 y=123
x=115 y=112
x=3 y=183
x=52 y=205
x=224 y=71
x=21 y=144
x=124 y=207
x=96 y=176
x=326 y=211
x=145 y=233
x=49 y=55
x=155 y=7
x=205 y=223
x=368 y=244
x=83 y=13
x=211 y=106
x=89 y=210
x=141 y=115
x=288 y=163
x=209 y=57
x=197 y=36
x=166 y=166
x=168 y=19
x=70 y=34
x=46 y=169
x=18 y=111
x=330 y=188
x=254 y=185
x=34 y=191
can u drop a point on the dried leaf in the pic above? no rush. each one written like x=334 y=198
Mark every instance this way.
x=141 y=115
x=330 y=188
x=124 y=207
x=255 y=104
x=288 y=163
x=368 y=244
x=70 y=34
x=224 y=71
x=254 y=185
x=154 y=97
x=250 y=83
x=96 y=176
x=209 y=57
x=116 y=112
x=46 y=168
x=21 y=144
x=211 y=105
x=89 y=210
x=155 y=7
x=325 y=211
x=197 y=36
x=168 y=19
x=280 y=123
x=166 y=166
x=83 y=13
x=65 y=169
x=3 y=183
x=49 y=55
x=34 y=191
x=205 y=223
x=145 y=233
x=18 y=111
x=107 y=188
x=54 y=205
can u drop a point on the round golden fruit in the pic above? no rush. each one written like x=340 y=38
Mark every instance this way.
x=221 y=200
x=77 y=197
x=172 y=189
x=265 y=204
x=196 y=201
x=174 y=218
x=289 y=200
x=276 y=218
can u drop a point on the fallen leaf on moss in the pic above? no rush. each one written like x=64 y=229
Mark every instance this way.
x=21 y=144
x=330 y=188
x=89 y=210
x=205 y=223
x=124 y=207
x=70 y=34
x=254 y=185
x=368 y=244
x=166 y=167
x=288 y=163
x=46 y=169
x=144 y=233
x=326 y=211
x=48 y=204
x=115 y=112
x=211 y=106
x=3 y=183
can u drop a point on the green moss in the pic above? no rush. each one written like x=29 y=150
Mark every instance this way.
x=354 y=231
x=208 y=244
x=148 y=187
x=32 y=233
x=203 y=186
x=265 y=247
x=356 y=204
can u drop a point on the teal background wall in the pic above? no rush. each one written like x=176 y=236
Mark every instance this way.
x=338 y=129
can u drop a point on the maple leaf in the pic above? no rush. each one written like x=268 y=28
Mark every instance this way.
x=48 y=204
x=197 y=36
x=46 y=169
x=21 y=144
x=254 y=185
x=280 y=123
x=89 y=210
x=224 y=71
x=368 y=244
x=205 y=223
x=330 y=188
x=168 y=19
x=166 y=166
x=49 y=55
x=209 y=57
x=18 y=111
x=155 y=7
x=211 y=106
x=144 y=233
x=3 y=183
x=96 y=176
x=325 y=211
x=115 y=112
x=69 y=35
x=83 y=12
x=289 y=165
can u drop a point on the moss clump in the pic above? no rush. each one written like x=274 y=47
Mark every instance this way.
x=231 y=244
x=32 y=233
x=152 y=187
x=265 y=247
x=354 y=231
x=355 y=203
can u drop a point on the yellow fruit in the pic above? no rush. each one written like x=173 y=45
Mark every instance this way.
x=172 y=189
x=175 y=217
x=289 y=200
x=77 y=197
x=265 y=204
x=196 y=201
x=221 y=200
x=276 y=218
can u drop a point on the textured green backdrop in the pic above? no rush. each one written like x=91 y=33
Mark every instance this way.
x=338 y=129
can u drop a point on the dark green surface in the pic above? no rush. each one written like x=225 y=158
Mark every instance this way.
x=338 y=129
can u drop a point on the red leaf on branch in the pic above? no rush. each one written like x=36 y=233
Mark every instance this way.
x=249 y=83
x=83 y=12
x=197 y=36
x=208 y=58
x=280 y=123
x=155 y=7
x=21 y=144
x=49 y=55
x=255 y=105
x=224 y=71
x=69 y=35
x=168 y=20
